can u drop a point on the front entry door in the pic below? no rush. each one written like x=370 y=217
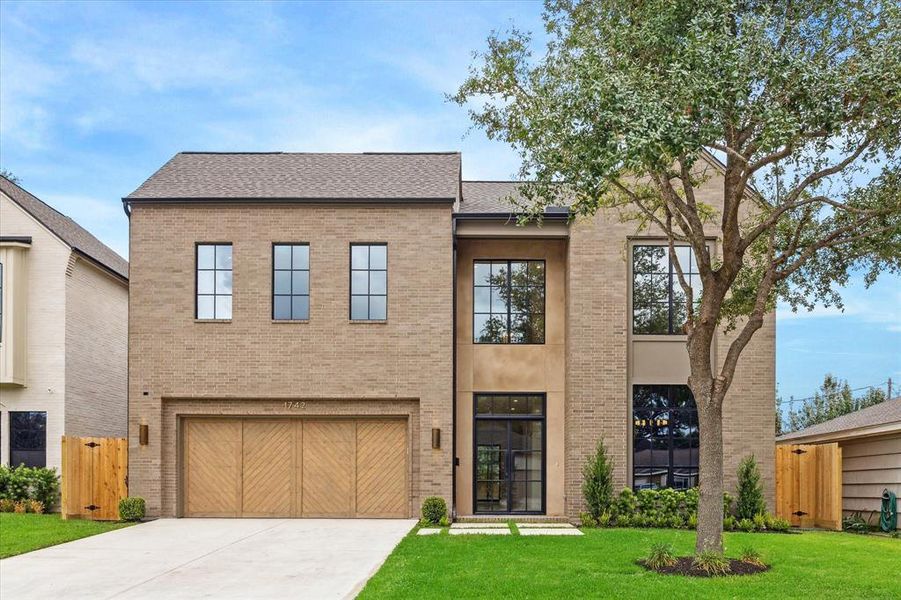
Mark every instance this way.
x=509 y=454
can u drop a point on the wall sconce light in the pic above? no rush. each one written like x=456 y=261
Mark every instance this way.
x=143 y=435
x=436 y=438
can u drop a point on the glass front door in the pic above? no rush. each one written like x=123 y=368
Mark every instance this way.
x=509 y=453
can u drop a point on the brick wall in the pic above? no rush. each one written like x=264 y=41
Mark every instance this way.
x=251 y=365
x=96 y=352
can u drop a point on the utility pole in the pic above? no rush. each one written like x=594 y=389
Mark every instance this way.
x=889 y=396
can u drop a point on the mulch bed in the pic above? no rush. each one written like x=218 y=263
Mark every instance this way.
x=684 y=566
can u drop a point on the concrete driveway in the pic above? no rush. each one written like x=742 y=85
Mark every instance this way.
x=209 y=558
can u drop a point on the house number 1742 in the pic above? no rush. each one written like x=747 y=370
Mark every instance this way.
x=291 y=405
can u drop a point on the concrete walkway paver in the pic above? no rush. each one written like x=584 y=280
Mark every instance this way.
x=219 y=558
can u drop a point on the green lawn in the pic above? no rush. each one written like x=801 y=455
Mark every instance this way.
x=24 y=533
x=814 y=565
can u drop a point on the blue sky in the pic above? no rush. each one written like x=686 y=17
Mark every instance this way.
x=94 y=97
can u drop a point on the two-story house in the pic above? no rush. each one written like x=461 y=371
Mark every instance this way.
x=63 y=332
x=347 y=334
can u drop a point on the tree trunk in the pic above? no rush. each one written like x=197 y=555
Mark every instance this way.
x=710 y=504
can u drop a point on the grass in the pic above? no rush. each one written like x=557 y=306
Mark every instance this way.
x=602 y=564
x=24 y=533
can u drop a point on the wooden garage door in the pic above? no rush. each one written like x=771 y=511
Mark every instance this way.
x=283 y=467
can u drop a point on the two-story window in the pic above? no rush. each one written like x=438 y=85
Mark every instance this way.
x=665 y=437
x=291 y=282
x=658 y=300
x=214 y=281
x=508 y=301
x=368 y=282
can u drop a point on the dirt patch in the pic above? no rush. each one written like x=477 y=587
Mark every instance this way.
x=684 y=566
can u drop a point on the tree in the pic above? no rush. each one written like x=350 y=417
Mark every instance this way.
x=750 y=502
x=597 y=481
x=9 y=175
x=621 y=112
x=834 y=399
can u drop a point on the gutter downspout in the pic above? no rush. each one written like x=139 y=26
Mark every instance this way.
x=454 y=460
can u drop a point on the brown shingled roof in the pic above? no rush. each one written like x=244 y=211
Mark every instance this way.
x=494 y=197
x=883 y=413
x=74 y=235
x=304 y=176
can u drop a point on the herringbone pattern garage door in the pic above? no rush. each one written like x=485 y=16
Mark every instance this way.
x=282 y=467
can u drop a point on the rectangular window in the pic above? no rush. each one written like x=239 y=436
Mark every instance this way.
x=658 y=300
x=291 y=282
x=214 y=281
x=368 y=282
x=665 y=437
x=509 y=432
x=28 y=439
x=508 y=302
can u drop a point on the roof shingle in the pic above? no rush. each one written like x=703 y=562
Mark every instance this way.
x=305 y=176
x=70 y=232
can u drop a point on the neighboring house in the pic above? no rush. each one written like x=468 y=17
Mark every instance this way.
x=63 y=332
x=348 y=334
x=870 y=440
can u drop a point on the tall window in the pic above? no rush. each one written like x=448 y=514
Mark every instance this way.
x=658 y=300
x=28 y=439
x=368 y=282
x=508 y=302
x=665 y=437
x=291 y=282
x=214 y=281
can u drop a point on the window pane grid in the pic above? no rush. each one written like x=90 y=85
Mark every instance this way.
x=369 y=282
x=665 y=437
x=291 y=282
x=214 y=281
x=508 y=301
x=658 y=300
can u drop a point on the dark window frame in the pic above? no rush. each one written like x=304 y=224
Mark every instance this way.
x=509 y=286
x=214 y=295
x=542 y=418
x=670 y=409
x=368 y=295
x=13 y=437
x=672 y=279
x=292 y=270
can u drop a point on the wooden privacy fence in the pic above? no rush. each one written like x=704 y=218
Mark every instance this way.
x=809 y=485
x=94 y=478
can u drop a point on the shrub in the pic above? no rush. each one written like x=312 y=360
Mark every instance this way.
x=587 y=520
x=444 y=522
x=855 y=523
x=711 y=563
x=29 y=483
x=7 y=505
x=131 y=508
x=729 y=523
x=36 y=506
x=760 y=522
x=597 y=481
x=750 y=491
x=434 y=508
x=661 y=555
x=693 y=521
x=604 y=519
x=20 y=507
x=777 y=524
x=751 y=556
x=746 y=525
x=727 y=503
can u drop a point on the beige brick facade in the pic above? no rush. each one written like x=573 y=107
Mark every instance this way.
x=252 y=365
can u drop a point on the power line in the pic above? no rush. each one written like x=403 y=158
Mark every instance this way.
x=866 y=387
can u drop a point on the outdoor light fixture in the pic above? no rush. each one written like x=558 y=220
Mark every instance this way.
x=436 y=438
x=143 y=434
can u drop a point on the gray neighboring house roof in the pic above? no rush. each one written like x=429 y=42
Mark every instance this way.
x=71 y=233
x=884 y=413
x=494 y=198
x=295 y=176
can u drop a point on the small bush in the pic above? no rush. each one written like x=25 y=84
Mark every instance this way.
x=711 y=563
x=777 y=524
x=604 y=519
x=729 y=523
x=20 y=507
x=29 y=483
x=760 y=522
x=7 y=505
x=855 y=523
x=751 y=556
x=131 y=509
x=444 y=522
x=693 y=522
x=597 y=481
x=434 y=508
x=587 y=521
x=661 y=555
x=750 y=491
x=727 y=503
x=746 y=525
x=36 y=507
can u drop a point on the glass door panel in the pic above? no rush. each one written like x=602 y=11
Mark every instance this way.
x=491 y=466
x=509 y=473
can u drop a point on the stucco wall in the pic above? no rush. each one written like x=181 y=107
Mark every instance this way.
x=251 y=359
x=96 y=352
x=44 y=330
